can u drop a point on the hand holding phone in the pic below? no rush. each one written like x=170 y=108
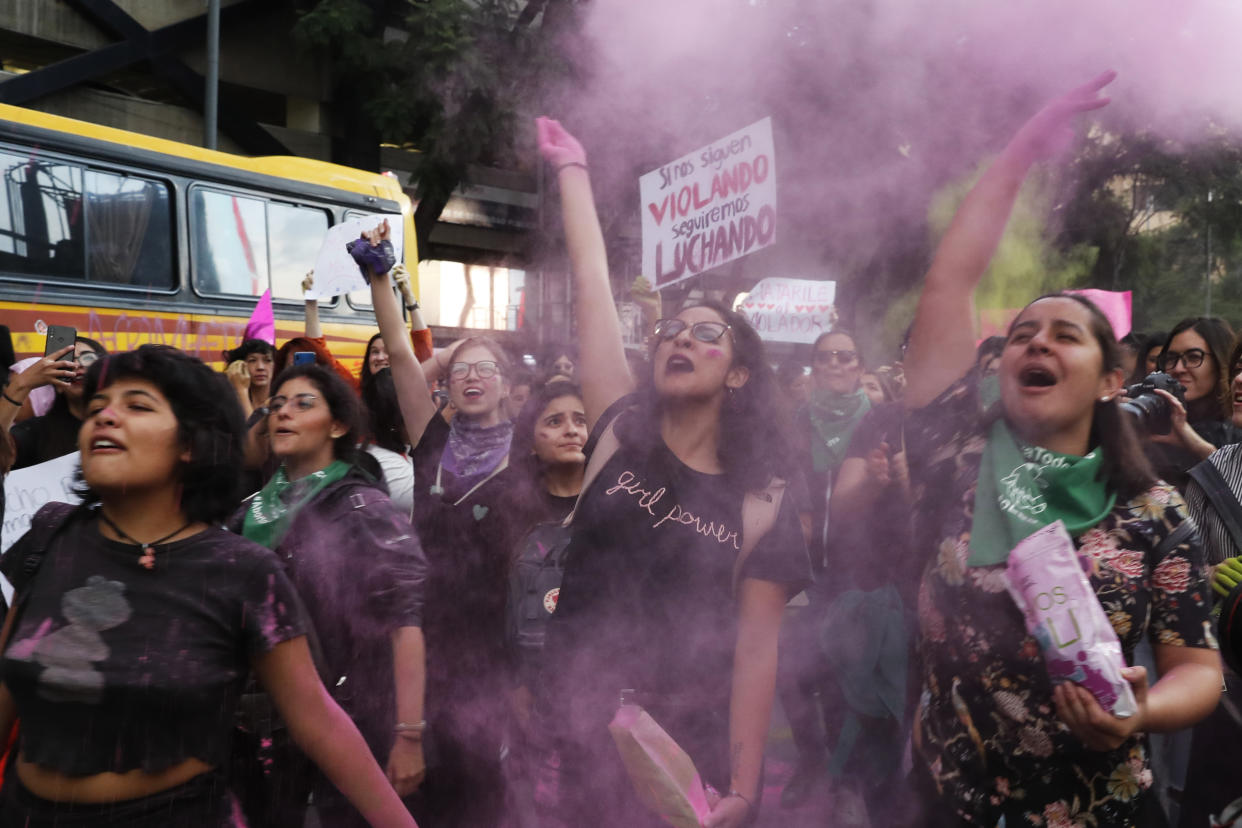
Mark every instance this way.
x=56 y=369
x=58 y=338
x=303 y=357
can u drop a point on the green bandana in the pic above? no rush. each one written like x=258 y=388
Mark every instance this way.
x=834 y=417
x=1025 y=488
x=273 y=508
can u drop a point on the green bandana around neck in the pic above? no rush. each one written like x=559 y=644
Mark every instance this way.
x=274 y=507
x=1024 y=488
x=834 y=417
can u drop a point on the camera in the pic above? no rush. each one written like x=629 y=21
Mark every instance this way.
x=1152 y=412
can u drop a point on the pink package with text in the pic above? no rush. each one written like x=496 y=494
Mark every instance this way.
x=1063 y=614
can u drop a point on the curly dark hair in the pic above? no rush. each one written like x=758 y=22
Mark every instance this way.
x=210 y=424
x=524 y=425
x=754 y=427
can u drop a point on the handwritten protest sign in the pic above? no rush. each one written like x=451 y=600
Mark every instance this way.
x=27 y=490
x=710 y=207
x=791 y=310
x=335 y=270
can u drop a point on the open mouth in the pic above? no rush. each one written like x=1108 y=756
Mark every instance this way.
x=678 y=364
x=472 y=393
x=283 y=432
x=1036 y=377
x=102 y=445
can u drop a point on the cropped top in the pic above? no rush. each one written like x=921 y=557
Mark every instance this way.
x=114 y=667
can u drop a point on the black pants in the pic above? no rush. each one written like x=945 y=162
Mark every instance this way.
x=203 y=802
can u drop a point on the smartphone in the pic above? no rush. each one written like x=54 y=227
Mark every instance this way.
x=303 y=357
x=59 y=337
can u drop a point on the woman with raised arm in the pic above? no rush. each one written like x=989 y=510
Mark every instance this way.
x=656 y=596
x=998 y=740
x=137 y=619
x=461 y=518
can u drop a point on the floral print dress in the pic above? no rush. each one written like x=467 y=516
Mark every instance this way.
x=988 y=728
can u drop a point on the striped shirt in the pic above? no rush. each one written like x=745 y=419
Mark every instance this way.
x=1218 y=544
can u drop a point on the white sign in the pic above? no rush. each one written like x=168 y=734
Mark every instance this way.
x=710 y=207
x=336 y=272
x=791 y=310
x=28 y=490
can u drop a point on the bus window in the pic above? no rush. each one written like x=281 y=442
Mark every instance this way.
x=229 y=235
x=129 y=228
x=40 y=217
x=296 y=234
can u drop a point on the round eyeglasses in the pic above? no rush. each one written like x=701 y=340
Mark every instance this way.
x=702 y=331
x=486 y=369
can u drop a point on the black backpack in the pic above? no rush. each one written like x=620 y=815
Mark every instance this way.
x=539 y=564
x=535 y=585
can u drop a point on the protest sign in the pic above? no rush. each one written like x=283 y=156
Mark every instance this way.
x=709 y=207
x=790 y=310
x=1116 y=305
x=336 y=272
x=27 y=490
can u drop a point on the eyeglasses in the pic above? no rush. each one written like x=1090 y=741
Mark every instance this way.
x=840 y=357
x=87 y=358
x=485 y=369
x=301 y=402
x=702 y=331
x=1191 y=358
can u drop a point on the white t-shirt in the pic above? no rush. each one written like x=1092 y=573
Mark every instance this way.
x=398 y=476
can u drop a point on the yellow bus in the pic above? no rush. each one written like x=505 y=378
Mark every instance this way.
x=132 y=239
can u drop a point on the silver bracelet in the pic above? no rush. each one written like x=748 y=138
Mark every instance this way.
x=408 y=727
x=750 y=806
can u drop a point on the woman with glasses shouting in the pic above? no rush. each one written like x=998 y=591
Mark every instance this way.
x=668 y=591
x=360 y=573
x=1196 y=354
x=461 y=520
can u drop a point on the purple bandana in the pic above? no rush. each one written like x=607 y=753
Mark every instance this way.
x=475 y=450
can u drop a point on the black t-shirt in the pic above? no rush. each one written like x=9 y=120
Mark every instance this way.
x=114 y=667
x=468 y=553
x=40 y=439
x=866 y=551
x=647 y=599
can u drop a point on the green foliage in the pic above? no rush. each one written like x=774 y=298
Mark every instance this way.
x=445 y=77
x=1144 y=204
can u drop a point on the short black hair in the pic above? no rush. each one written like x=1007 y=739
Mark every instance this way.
x=210 y=424
x=250 y=346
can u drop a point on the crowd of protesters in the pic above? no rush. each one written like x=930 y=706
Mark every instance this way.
x=420 y=593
